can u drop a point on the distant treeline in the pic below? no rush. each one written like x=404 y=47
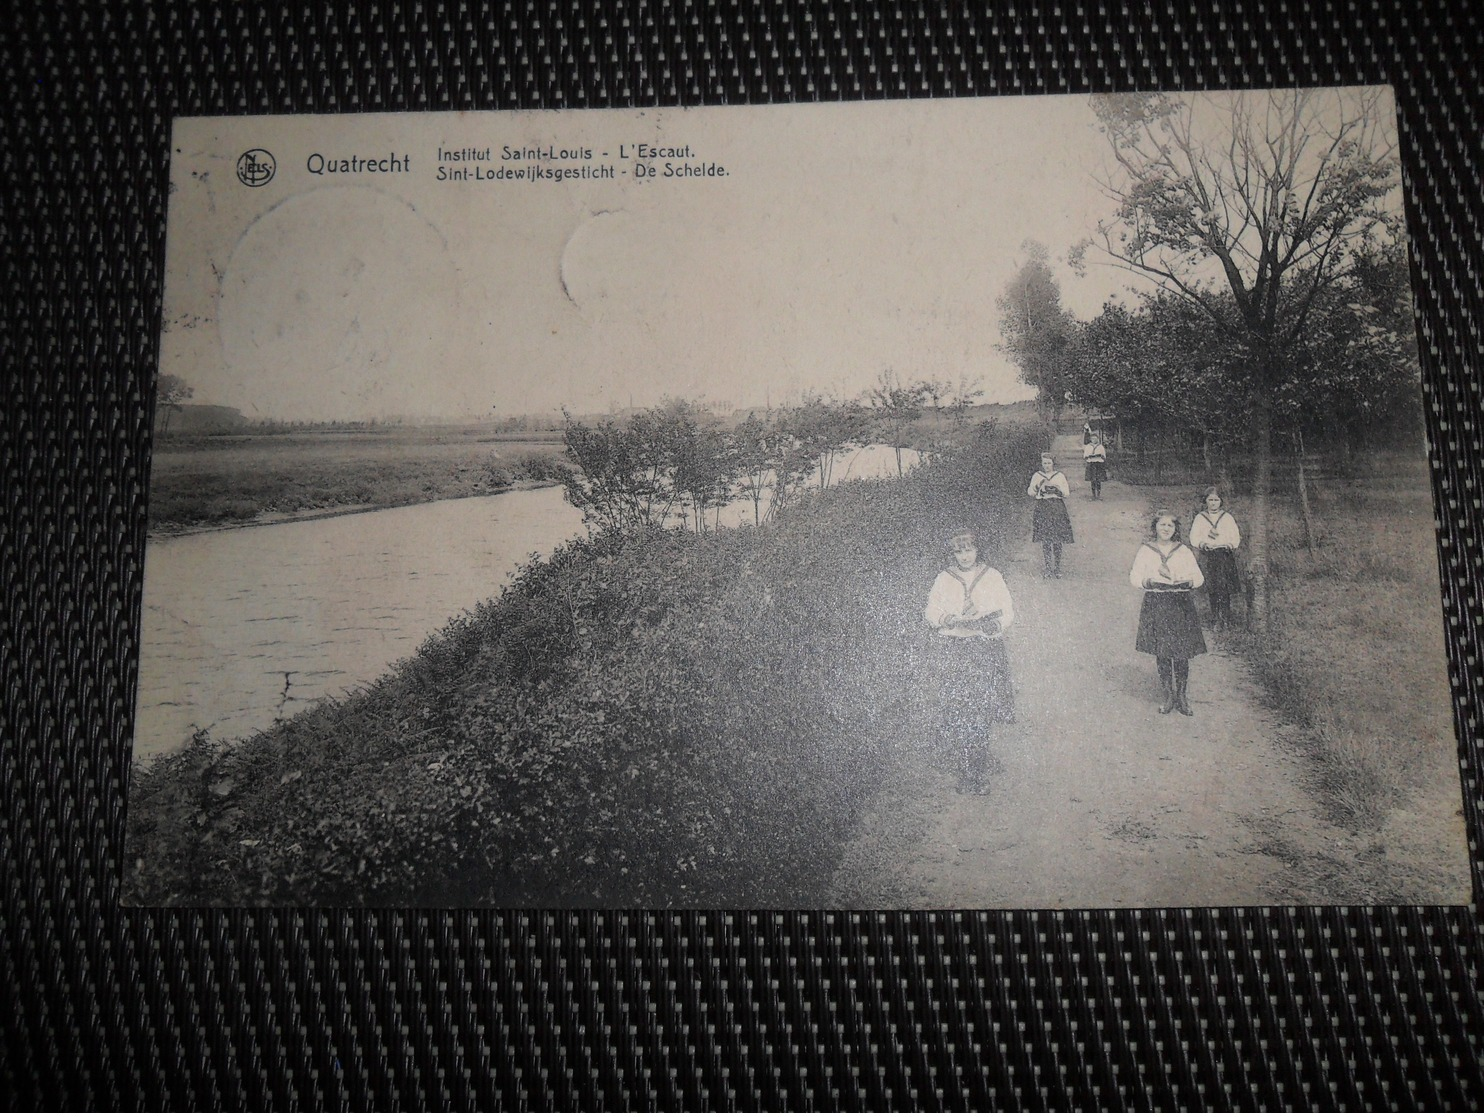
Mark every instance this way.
x=679 y=462
x=187 y=419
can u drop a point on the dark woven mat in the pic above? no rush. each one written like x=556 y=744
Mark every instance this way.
x=1306 y=1008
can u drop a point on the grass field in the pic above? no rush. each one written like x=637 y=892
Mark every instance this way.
x=1356 y=652
x=224 y=480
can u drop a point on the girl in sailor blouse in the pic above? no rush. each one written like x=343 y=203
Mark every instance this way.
x=1167 y=571
x=1215 y=536
x=969 y=610
x=1050 y=525
x=1095 y=470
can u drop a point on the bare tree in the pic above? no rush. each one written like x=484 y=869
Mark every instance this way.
x=1268 y=198
x=896 y=407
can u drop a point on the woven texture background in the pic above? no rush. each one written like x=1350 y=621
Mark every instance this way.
x=1352 y=1007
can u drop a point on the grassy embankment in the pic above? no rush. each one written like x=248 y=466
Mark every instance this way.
x=229 y=480
x=642 y=720
x=1354 y=653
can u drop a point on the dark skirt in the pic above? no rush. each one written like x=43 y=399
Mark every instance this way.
x=1220 y=569
x=1169 y=627
x=1050 y=523
x=1096 y=472
x=975 y=691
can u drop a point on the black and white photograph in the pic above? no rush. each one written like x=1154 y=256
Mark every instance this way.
x=1003 y=503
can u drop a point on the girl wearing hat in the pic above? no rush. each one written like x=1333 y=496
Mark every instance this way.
x=1215 y=536
x=969 y=610
x=1050 y=525
x=1167 y=571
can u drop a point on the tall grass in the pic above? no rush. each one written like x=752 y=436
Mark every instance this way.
x=1358 y=627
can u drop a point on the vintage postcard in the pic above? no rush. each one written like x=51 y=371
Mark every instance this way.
x=985 y=503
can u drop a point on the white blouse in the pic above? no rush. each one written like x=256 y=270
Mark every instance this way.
x=1165 y=565
x=1216 y=531
x=1094 y=452
x=967 y=594
x=1048 y=487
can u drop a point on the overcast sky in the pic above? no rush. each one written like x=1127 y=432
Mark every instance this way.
x=845 y=240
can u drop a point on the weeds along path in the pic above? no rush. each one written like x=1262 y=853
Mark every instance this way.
x=1098 y=800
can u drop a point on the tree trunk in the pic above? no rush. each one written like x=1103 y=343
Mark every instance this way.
x=1303 y=488
x=1262 y=478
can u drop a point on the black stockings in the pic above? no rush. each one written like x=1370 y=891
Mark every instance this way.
x=1174 y=676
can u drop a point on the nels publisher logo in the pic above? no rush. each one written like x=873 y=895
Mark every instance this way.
x=256 y=167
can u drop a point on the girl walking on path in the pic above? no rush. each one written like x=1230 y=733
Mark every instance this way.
x=1095 y=455
x=1050 y=525
x=1215 y=536
x=1169 y=630
x=969 y=609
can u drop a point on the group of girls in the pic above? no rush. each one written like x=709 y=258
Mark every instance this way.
x=969 y=609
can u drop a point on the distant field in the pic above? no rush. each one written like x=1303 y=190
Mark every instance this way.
x=222 y=480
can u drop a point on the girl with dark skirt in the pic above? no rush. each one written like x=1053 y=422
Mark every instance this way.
x=1215 y=536
x=1050 y=525
x=1095 y=459
x=1169 y=630
x=969 y=609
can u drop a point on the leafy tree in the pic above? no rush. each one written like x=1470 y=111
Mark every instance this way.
x=1253 y=208
x=623 y=475
x=823 y=429
x=171 y=396
x=770 y=462
x=753 y=462
x=1356 y=371
x=1036 y=329
x=704 y=463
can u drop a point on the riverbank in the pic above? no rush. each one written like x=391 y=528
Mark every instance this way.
x=204 y=483
x=306 y=515
x=646 y=719
x=656 y=718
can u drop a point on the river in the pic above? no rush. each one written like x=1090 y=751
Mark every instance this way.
x=247 y=625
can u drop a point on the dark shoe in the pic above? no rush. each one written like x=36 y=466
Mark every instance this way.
x=1181 y=704
x=1169 y=702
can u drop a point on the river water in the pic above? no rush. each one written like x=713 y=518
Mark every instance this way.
x=247 y=625
x=250 y=624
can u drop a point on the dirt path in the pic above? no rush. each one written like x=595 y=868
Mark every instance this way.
x=1099 y=800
